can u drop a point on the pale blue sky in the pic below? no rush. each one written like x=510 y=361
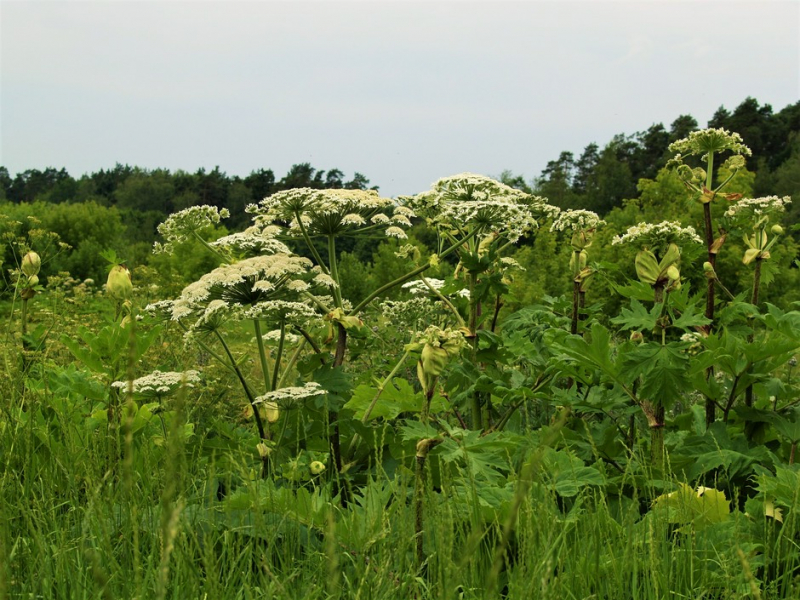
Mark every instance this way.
x=404 y=92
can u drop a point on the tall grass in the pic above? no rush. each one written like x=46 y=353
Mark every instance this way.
x=78 y=520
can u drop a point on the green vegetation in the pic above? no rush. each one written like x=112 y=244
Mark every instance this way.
x=465 y=393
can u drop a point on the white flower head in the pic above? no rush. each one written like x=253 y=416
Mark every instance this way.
x=289 y=396
x=245 y=282
x=710 y=140
x=322 y=212
x=757 y=208
x=660 y=235
x=576 y=220
x=159 y=383
x=182 y=225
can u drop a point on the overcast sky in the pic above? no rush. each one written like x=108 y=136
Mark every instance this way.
x=404 y=92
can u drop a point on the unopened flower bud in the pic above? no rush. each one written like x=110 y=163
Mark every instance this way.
x=316 y=467
x=31 y=263
x=708 y=267
x=33 y=280
x=119 y=284
x=272 y=412
x=777 y=230
x=673 y=273
x=263 y=450
x=637 y=337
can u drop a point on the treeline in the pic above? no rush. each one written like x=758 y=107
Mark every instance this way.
x=623 y=181
x=162 y=192
x=599 y=179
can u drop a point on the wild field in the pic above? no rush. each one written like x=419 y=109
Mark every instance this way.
x=260 y=414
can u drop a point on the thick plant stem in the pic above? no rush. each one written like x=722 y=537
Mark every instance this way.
x=291 y=364
x=423 y=448
x=748 y=393
x=711 y=409
x=278 y=356
x=475 y=399
x=576 y=298
x=333 y=416
x=657 y=439
x=337 y=291
x=262 y=356
x=259 y=423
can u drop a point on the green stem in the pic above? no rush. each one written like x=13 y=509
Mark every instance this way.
x=748 y=393
x=337 y=289
x=262 y=355
x=475 y=399
x=292 y=362
x=383 y=385
x=711 y=409
x=441 y=297
x=310 y=244
x=211 y=353
x=411 y=274
x=210 y=247
x=243 y=381
x=278 y=355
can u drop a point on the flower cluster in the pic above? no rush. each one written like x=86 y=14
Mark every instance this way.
x=331 y=212
x=758 y=207
x=660 y=235
x=160 y=383
x=710 y=140
x=181 y=225
x=287 y=396
x=470 y=200
x=576 y=220
x=245 y=282
x=253 y=240
x=281 y=311
x=418 y=287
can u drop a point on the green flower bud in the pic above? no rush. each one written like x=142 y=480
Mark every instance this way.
x=637 y=337
x=31 y=263
x=272 y=412
x=316 y=467
x=673 y=273
x=263 y=450
x=119 y=284
x=33 y=280
x=777 y=230
x=708 y=267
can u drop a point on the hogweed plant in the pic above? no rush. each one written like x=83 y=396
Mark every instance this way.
x=709 y=145
x=580 y=226
x=755 y=215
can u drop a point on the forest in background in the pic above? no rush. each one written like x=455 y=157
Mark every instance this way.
x=624 y=181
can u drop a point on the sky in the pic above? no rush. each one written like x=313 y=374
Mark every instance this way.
x=404 y=92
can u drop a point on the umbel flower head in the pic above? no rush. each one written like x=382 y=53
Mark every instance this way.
x=757 y=208
x=186 y=223
x=467 y=200
x=710 y=140
x=658 y=236
x=288 y=397
x=243 y=283
x=581 y=223
x=159 y=384
x=331 y=212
